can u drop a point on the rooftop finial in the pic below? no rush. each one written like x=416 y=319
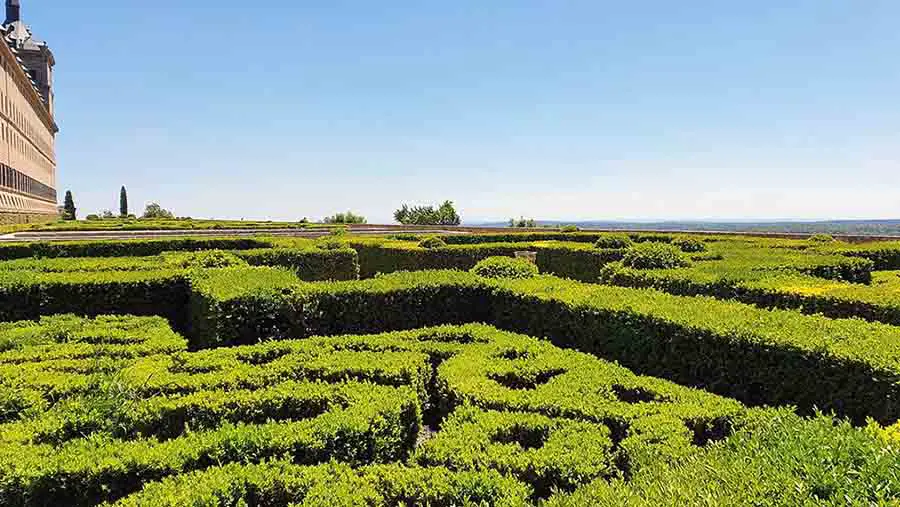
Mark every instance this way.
x=12 y=11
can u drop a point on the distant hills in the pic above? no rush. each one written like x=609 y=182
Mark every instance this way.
x=863 y=227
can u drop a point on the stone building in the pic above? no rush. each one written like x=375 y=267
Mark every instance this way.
x=27 y=127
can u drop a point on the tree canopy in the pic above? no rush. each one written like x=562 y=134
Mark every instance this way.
x=445 y=214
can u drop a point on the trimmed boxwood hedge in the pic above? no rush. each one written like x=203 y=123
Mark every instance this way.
x=848 y=366
x=579 y=262
x=88 y=471
x=136 y=415
x=505 y=267
x=125 y=248
x=332 y=485
x=527 y=237
x=775 y=459
x=775 y=290
x=310 y=264
x=28 y=295
x=116 y=425
x=548 y=453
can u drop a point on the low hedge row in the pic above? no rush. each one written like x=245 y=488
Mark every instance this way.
x=854 y=270
x=884 y=255
x=332 y=485
x=311 y=264
x=852 y=367
x=579 y=262
x=756 y=355
x=125 y=248
x=26 y=295
x=256 y=366
x=241 y=306
x=92 y=470
x=83 y=264
x=71 y=337
x=779 y=290
x=535 y=376
x=547 y=453
x=526 y=237
x=33 y=388
x=776 y=459
x=166 y=413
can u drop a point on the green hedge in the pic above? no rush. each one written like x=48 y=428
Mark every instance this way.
x=776 y=460
x=848 y=366
x=526 y=422
x=89 y=471
x=243 y=306
x=311 y=264
x=505 y=267
x=111 y=425
x=85 y=264
x=71 y=337
x=332 y=485
x=778 y=290
x=548 y=453
x=124 y=248
x=579 y=262
x=884 y=255
x=758 y=356
x=527 y=237
x=28 y=295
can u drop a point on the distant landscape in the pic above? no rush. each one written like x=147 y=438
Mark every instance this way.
x=873 y=227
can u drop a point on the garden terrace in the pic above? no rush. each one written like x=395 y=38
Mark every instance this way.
x=263 y=371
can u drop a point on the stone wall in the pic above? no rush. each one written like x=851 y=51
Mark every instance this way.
x=25 y=218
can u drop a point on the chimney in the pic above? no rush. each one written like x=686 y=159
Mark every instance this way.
x=12 y=11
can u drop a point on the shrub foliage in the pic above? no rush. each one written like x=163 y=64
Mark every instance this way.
x=505 y=267
x=654 y=256
x=243 y=384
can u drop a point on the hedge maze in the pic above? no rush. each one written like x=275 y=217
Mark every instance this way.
x=339 y=372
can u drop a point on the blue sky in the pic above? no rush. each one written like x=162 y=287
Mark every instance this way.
x=556 y=109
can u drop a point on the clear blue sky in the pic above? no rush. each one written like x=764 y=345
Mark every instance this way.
x=555 y=109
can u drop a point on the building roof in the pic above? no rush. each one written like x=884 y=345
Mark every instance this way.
x=20 y=39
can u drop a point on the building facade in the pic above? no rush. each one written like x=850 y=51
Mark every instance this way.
x=27 y=128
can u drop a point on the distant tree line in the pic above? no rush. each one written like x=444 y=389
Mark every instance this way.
x=445 y=214
x=345 y=218
x=522 y=222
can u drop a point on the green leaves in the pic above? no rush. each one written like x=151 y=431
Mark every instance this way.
x=505 y=267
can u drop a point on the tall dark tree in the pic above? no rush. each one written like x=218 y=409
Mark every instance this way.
x=69 y=211
x=123 y=202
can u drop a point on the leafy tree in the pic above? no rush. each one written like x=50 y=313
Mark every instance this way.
x=154 y=210
x=345 y=218
x=69 y=210
x=522 y=223
x=445 y=214
x=123 y=202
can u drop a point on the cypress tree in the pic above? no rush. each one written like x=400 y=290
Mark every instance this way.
x=69 y=207
x=123 y=202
